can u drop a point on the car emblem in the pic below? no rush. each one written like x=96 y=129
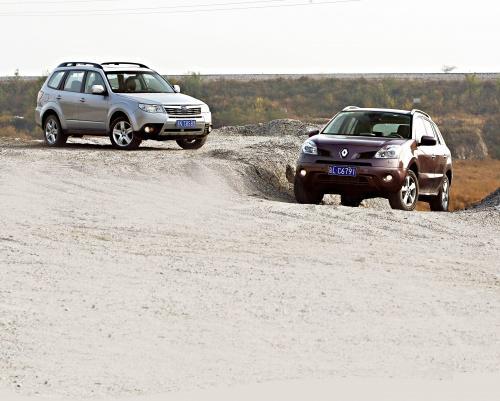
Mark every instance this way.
x=183 y=108
x=344 y=153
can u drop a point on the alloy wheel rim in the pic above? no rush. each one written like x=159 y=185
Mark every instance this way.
x=409 y=191
x=445 y=195
x=123 y=133
x=51 y=131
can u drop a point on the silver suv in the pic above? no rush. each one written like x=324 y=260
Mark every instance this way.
x=126 y=101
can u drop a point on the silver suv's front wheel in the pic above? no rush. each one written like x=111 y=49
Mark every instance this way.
x=53 y=133
x=122 y=135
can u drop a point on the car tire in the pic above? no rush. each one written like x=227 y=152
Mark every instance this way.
x=407 y=196
x=441 y=202
x=53 y=132
x=350 y=200
x=191 y=143
x=122 y=135
x=304 y=194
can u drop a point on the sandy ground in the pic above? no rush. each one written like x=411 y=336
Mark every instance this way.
x=133 y=274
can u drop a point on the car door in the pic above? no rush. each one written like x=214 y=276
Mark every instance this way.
x=69 y=98
x=425 y=156
x=93 y=107
x=442 y=154
x=436 y=177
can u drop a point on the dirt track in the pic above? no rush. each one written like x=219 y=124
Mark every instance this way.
x=126 y=273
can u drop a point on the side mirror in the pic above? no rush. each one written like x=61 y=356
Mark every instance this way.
x=98 y=90
x=428 y=141
x=177 y=89
x=312 y=132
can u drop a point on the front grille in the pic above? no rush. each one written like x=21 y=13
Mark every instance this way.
x=182 y=111
x=343 y=163
x=333 y=179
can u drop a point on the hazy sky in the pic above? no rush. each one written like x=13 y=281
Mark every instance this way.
x=364 y=36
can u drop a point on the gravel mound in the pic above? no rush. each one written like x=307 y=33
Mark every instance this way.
x=272 y=128
x=491 y=201
x=269 y=163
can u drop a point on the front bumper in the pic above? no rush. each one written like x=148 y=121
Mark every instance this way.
x=369 y=180
x=163 y=126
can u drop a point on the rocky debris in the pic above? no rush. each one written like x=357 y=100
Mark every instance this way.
x=272 y=128
x=269 y=165
x=491 y=201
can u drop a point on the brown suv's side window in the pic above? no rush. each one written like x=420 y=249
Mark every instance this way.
x=419 y=129
x=430 y=130
x=438 y=133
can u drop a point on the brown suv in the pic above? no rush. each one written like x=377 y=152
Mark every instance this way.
x=367 y=153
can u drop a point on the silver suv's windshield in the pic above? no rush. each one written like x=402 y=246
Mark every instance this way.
x=138 y=82
x=370 y=124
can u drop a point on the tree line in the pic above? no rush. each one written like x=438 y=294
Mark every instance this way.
x=314 y=100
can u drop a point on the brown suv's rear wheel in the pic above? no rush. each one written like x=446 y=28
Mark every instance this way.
x=304 y=194
x=406 y=198
x=441 y=202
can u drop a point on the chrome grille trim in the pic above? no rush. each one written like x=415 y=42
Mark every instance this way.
x=182 y=110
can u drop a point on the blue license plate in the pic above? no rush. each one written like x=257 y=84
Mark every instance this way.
x=342 y=170
x=185 y=124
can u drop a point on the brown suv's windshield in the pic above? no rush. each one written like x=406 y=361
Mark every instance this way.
x=138 y=82
x=370 y=124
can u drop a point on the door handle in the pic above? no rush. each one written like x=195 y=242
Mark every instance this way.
x=82 y=100
x=58 y=97
x=433 y=156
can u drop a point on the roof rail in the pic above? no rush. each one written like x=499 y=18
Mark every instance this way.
x=75 y=63
x=126 y=63
x=421 y=112
x=350 y=108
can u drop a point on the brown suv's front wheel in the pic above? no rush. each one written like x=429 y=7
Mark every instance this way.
x=406 y=198
x=305 y=194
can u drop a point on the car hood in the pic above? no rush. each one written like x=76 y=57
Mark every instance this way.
x=174 y=99
x=356 y=146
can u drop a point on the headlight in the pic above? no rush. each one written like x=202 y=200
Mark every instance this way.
x=151 y=108
x=309 y=148
x=205 y=108
x=389 y=152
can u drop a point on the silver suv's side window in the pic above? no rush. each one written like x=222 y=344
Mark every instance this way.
x=93 y=78
x=74 y=81
x=55 y=79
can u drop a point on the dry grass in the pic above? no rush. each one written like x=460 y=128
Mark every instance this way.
x=473 y=180
x=10 y=132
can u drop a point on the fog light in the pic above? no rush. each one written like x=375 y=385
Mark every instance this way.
x=303 y=173
x=388 y=178
x=149 y=130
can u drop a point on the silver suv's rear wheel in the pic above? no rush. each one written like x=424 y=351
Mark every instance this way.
x=53 y=133
x=406 y=198
x=123 y=136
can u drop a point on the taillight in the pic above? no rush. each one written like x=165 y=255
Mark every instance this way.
x=39 y=98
